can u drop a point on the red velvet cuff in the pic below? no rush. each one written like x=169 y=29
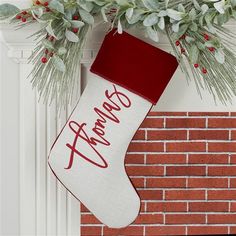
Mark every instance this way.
x=137 y=66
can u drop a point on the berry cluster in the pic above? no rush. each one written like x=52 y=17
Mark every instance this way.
x=47 y=53
x=75 y=30
x=196 y=65
x=23 y=16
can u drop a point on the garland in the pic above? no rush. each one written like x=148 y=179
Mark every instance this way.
x=203 y=47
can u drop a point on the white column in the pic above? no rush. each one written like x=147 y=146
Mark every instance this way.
x=33 y=202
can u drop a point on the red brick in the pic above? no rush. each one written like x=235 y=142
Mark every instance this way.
x=222 y=147
x=156 y=113
x=209 y=135
x=94 y=230
x=233 y=207
x=232 y=229
x=232 y=159
x=233 y=134
x=206 y=230
x=153 y=123
x=166 y=206
x=146 y=147
x=185 y=195
x=140 y=135
x=138 y=182
x=207 y=183
x=185 y=170
x=208 y=158
x=232 y=182
x=208 y=113
x=131 y=231
x=151 y=194
x=185 y=123
x=221 y=194
x=143 y=206
x=165 y=230
x=222 y=170
x=222 y=123
x=149 y=219
x=167 y=134
x=166 y=183
x=208 y=206
x=145 y=170
x=186 y=147
x=89 y=219
x=84 y=209
x=221 y=219
x=134 y=159
x=166 y=159
x=185 y=218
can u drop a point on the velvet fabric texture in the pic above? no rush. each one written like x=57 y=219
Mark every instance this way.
x=135 y=65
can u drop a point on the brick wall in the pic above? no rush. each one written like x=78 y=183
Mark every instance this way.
x=183 y=166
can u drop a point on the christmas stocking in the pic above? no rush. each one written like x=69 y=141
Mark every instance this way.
x=128 y=77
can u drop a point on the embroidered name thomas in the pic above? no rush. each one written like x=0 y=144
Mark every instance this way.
x=115 y=101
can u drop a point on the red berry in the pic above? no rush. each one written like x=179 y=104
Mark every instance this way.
x=46 y=4
x=51 y=38
x=75 y=30
x=196 y=65
x=24 y=12
x=206 y=37
x=48 y=9
x=204 y=70
x=44 y=60
x=23 y=20
x=177 y=43
x=182 y=50
x=212 y=49
x=18 y=17
x=38 y=2
x=51 y=54
x=183 y=36
x=75 y=17
x=46 y=51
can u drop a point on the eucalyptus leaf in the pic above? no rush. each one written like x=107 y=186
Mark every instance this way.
x=38 y=12
x=8 y=10
x=72 y=37
x=151 y=4
x=137 y=15
x=151 y=19
x=122 y=2
x=176 y=15
x=161 y=23
x=58 y=63
x=56 y=5
x=86 y=5
x=86 y=17
x=50 y=30
x=204 y=9
x=77 y=23
x=152 y=34
x=61 y=51
x=129 y=12
x=220 y=6
x=220 y=56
